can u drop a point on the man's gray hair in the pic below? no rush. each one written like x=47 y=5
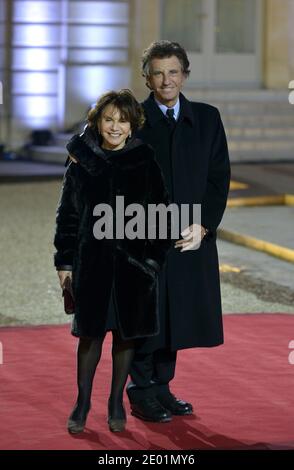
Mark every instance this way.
x=162 y=49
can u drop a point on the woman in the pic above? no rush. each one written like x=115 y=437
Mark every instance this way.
x=114 y=280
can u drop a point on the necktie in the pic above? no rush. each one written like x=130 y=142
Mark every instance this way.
x=170 y=116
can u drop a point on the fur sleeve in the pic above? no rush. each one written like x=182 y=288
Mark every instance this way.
x=156 y=249
x=67 y=220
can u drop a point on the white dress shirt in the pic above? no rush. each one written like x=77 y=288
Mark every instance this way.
x=164 y=108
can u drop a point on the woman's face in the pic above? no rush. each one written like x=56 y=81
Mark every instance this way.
x=113 y=128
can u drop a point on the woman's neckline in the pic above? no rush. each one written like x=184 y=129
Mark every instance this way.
x=106 y=151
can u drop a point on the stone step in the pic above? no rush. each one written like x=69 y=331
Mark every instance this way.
x=51 y=153
x=232 y=132
x=255 y=95
x=268 y=120
x=260 y=132
x=259 y=125
x=239 y=151
x=264 y=145
x=247 y=156
x=276 y=140
x=255 y=109
x=250 y=105
x=62 y=140
x=237 y=137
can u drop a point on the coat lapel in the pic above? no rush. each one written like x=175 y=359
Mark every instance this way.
x=154 y=113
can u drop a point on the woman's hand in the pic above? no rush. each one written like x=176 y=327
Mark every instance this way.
x=73 y=159
x=63 y=275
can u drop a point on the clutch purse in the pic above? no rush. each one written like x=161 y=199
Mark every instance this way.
x=68 y=298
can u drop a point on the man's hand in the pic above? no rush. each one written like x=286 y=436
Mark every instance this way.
x=192 y=237
x=63 y=275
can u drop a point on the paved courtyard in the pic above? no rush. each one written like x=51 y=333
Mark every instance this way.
x=29 y=289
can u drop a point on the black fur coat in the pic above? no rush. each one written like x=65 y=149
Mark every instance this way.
x=129 y=266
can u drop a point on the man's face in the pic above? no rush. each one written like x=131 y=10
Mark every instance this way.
x=166 y=79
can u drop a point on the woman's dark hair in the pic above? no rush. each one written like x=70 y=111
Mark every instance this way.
x=162 y=49
x=125 y=102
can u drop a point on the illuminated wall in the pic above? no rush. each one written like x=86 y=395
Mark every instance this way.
x=97 y=60
x=35 y=57
x=63 y=54
x=2 y=38
x=2 y=63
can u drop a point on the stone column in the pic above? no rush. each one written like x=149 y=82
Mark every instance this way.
x=291 y=39
x=277 y=43
x=6 y=112
x=144 y=28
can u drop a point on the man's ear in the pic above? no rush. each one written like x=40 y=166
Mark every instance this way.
x=147 y=83
x=186 y=75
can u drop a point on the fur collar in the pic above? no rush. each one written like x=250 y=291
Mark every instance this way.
x=87 y=151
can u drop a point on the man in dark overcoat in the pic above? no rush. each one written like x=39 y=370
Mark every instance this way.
x=191 y=149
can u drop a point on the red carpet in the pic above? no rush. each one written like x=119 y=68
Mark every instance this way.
x=242 y=392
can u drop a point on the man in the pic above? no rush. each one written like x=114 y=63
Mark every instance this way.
x=191 y=148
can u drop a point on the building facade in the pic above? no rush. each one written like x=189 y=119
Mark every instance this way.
x=57 y=56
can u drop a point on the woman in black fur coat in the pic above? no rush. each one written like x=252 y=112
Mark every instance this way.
x=113 y=278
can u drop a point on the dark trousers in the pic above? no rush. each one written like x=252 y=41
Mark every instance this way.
x=151 y=373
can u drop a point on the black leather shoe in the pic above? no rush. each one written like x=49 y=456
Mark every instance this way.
x=150 y=409
x=174 y=405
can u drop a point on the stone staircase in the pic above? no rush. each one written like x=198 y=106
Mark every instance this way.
x=259 y=125
x=52 y=153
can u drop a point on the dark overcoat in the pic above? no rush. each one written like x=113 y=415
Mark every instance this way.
x=127 y=266
x=195 y=163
